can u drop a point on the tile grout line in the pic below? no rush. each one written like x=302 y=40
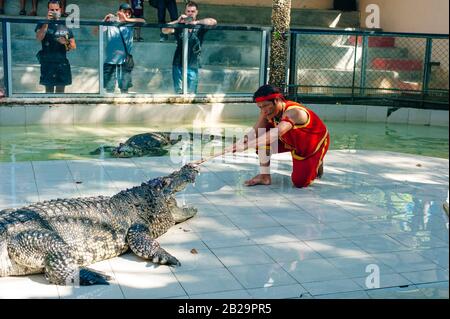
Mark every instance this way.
x=35 y=181
x=115 y=276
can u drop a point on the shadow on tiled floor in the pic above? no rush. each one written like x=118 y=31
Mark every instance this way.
x=373 y=213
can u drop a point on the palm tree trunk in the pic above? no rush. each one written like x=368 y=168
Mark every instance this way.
x=281 y=20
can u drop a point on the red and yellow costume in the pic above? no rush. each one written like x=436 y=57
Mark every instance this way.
x=308 y=144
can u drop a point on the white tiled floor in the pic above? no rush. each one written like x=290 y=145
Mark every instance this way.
x=371 y=208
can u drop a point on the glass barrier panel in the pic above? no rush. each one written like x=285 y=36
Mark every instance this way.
x=152 y=54
x=228 y=61
x=79 y=74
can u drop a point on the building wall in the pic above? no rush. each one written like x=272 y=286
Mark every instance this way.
x=418 y=16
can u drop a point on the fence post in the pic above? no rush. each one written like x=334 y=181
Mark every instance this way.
x=7 y=74
x=263 y=59
x=365 y=47
x=355 y=56
x=427 y=67
x=292 y=84
x=101 y=58
x=185 y=59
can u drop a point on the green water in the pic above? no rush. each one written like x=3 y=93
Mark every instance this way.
x=39 y=143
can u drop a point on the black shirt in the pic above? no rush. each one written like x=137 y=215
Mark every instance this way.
x=50 y=43
x=194 y=47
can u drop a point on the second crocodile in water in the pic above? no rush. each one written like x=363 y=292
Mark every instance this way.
x=145 y=144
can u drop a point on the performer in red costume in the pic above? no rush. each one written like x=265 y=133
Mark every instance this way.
x=286 y=126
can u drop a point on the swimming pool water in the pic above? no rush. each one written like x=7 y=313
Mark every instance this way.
x=39 y=143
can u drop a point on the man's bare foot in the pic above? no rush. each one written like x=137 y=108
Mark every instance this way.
x=320 y=171
x=261 y=179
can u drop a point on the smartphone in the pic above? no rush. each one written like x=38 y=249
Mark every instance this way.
x=55 y=15
x=188 y=19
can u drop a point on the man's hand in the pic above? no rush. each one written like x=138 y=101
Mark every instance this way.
x=62 y=40
x=122 y=16
x=108 y=17
x=182 y=18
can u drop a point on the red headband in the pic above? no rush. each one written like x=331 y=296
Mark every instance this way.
x=269 y=97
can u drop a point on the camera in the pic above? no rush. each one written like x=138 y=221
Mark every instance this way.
x=55 y=15
x=188 y=19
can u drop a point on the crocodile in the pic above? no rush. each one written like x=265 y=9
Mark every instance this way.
x=152 y=144
x=145 y=144
x=61 y=237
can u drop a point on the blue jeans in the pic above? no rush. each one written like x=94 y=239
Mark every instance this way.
x=113 y=73
x=192 y=77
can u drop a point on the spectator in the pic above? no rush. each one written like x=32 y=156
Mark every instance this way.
x=171 y=6
x=56 y=40
x=138 y=12
x=34 y=7
x=194 y=47
x=119 y=45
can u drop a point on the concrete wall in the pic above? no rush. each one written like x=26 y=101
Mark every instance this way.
x=313 y=13
x=213 y=113
x=421 y=16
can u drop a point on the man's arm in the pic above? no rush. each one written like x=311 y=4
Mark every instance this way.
x=249 y=139
x=135 y=20
x=40 y=33
x=72 y=44
x=124 y=18
x=294 y=116
x=206 y=21
x=265 y=139
x=171 y=30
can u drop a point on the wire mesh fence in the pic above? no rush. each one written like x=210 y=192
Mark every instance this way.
x=325 y=64
x=439 y=65
x=367 y=65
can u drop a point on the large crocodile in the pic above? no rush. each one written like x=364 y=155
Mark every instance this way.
x=61 y=237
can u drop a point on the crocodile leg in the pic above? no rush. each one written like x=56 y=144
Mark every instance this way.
x=44 y=249
x=8 y=266
x=142 y=244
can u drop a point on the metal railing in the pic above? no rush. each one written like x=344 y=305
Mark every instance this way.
x=230 y=66
x=324 y=65
x=352 y=66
